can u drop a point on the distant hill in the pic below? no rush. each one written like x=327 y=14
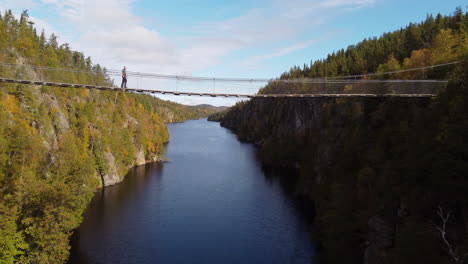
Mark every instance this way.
x=218 y=108
x=207 y=109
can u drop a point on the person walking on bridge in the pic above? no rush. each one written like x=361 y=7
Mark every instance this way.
x=124 y=78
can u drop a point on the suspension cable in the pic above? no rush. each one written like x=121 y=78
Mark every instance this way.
x=338 y=79
x=393 y=72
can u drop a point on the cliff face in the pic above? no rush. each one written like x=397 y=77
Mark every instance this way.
x=376 y=170
x=56 y=147
x=279 y=124
x=101 y=119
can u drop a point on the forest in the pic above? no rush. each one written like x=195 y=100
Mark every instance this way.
x=387 y=177
x=437 y=40
x=58 y=145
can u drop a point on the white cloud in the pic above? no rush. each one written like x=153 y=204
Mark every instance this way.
x=113 y=35
x=274 y=23
x=42 y=25
x=256 y=61
x=253 y=62
x=135 y=44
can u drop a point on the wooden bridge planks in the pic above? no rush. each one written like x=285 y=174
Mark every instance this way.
x=211 y=94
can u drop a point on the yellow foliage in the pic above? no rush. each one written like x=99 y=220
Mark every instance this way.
x=86 y=132
x=392 y=64
x=83 y=93
x=151 y=147
x=464 y=45
x=419 y=58
x=24 y=45
x=444 y=47
x=11 y=104
x=54 y=110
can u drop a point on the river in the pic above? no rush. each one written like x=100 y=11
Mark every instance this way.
x=211 y=203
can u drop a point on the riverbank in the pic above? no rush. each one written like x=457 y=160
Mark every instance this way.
x=379 y=171
x=113 y=177
x=57 y=146
x=213 y=204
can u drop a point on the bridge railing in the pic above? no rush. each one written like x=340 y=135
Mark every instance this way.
x=96 y=77
x=171 y=84
x=356 y=87
x=136 y=80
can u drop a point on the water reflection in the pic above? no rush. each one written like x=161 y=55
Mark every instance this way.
x=212 y=204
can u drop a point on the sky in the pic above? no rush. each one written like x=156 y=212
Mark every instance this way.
x=229 y=38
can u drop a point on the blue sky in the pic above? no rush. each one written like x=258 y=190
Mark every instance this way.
x=253 y=39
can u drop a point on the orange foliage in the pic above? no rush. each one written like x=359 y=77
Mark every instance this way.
x=419 y=58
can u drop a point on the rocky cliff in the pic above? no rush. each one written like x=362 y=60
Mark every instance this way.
x=56 y=147
x=376 y=170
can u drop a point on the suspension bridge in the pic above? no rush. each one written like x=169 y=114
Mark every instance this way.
x=346 y=86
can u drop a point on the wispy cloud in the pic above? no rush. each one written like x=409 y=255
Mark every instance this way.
x=42 y=25
x=271 y=25
x=113 y=34
x=110 y=32
x=255 y=62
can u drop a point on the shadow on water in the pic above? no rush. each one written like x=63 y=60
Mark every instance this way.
x=288 y=178
x=214 y=203
x=108 y=200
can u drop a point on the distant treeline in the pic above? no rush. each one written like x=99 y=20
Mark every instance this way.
x=57 y=145
x=387 y=177
x=436 y=40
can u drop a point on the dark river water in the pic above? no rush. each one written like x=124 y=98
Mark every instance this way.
x=212 y=203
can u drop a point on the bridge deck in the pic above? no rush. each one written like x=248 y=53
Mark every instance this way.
x=206 y=94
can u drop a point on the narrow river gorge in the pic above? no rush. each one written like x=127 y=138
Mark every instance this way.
x=211 y=203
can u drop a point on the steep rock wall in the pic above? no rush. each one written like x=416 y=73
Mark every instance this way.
x=56 y=147
x=374 y=169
